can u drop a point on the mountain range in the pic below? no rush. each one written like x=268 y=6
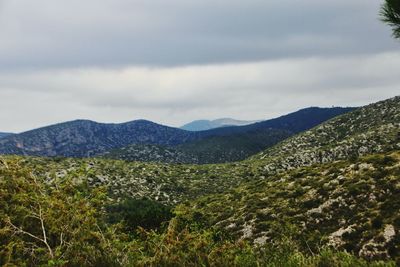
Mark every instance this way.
x=335 y=185
x=83 y=138
x=4 y=134
x=202 y=125
x=230 y=143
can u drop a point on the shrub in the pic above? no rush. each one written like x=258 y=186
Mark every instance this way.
x=135 y=213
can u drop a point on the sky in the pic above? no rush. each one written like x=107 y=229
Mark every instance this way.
x=180 y=60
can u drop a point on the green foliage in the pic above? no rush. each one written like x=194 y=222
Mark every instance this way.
x=62 y=222
x=286 y=207
x=390 y=14
x=135 y=213
x=42 y=224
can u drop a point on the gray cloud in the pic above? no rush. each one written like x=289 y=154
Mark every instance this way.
x=176 y=95
x=178 y=60
x=113 y=33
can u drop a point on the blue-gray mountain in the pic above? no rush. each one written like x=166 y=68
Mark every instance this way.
x=203 y=125
x=83 y=138
x=230 y=143
x=4 y=134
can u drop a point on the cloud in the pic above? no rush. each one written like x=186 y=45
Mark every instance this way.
x=178 y=60
x=174 y=95
x=156 y=33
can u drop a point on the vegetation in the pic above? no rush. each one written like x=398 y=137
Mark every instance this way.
x=216 y=149
x=83 y=138
x=326 y=197
x=65 y=224
x=390 y=14
x=135 y=213
x=346 y=205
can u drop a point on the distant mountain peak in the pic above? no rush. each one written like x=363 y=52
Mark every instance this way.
x=202 y=125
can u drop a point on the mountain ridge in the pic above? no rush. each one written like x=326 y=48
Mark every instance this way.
x=202 y=125
x=3 y=134
x=86 y=138
x=348 y=201
x=233 y=143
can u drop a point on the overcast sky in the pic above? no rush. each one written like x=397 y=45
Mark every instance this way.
x=179 y=60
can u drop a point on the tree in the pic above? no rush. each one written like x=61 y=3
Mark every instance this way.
x=49 y=224
x=390 y=14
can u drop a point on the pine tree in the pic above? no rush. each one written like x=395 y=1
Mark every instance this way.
x=390 y=14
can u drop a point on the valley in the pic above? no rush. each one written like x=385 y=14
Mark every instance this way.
x=199 y=133
x=334 y=186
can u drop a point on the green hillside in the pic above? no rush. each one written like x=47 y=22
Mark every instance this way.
x=216 y=149
x=372 y=129
x=294 y=219
x=351 y=205
x=326 y=197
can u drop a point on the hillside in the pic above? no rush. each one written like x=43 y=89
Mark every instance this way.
x=63 y=220
x=314 y=202
x=216 y=149
x=230 y=144
x=351 y=205
x=300 y=188
x=4 y=134
x=84 y=138
x=295 y=122
x=202 y=125
x=371 y=129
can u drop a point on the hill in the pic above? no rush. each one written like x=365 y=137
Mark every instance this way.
x=287 y=192
x=371 y=129
x=215 y=149
x=302 y=189
x=202 y=125
x=83 y=138
x=4 y=134
x=348 y=205
x=68 y=219
x=230 y=144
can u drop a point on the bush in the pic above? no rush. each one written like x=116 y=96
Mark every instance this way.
x=135 y=213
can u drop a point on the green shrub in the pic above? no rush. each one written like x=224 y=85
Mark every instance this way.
x=135 y=213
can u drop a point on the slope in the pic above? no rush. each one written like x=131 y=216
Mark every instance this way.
x=215 y=149
x=4 y=134
x=371 y=129
x=84 y=138
x=230 y=144
x=351 y=205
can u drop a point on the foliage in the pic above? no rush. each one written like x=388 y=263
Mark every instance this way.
x=42 y=224
x=345 y=205
x=61 y=222
x=293 y=205
x=135 y=213
x=390 y=14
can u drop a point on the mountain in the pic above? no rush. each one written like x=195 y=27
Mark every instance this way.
x=336 y=185
x=202 y=125
x=348 y=205
x=371 y=129
x=215 y=149
x=285 y=220
x=182 y=182
x=83 y=138
x=4 y=134
x=230 y=144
